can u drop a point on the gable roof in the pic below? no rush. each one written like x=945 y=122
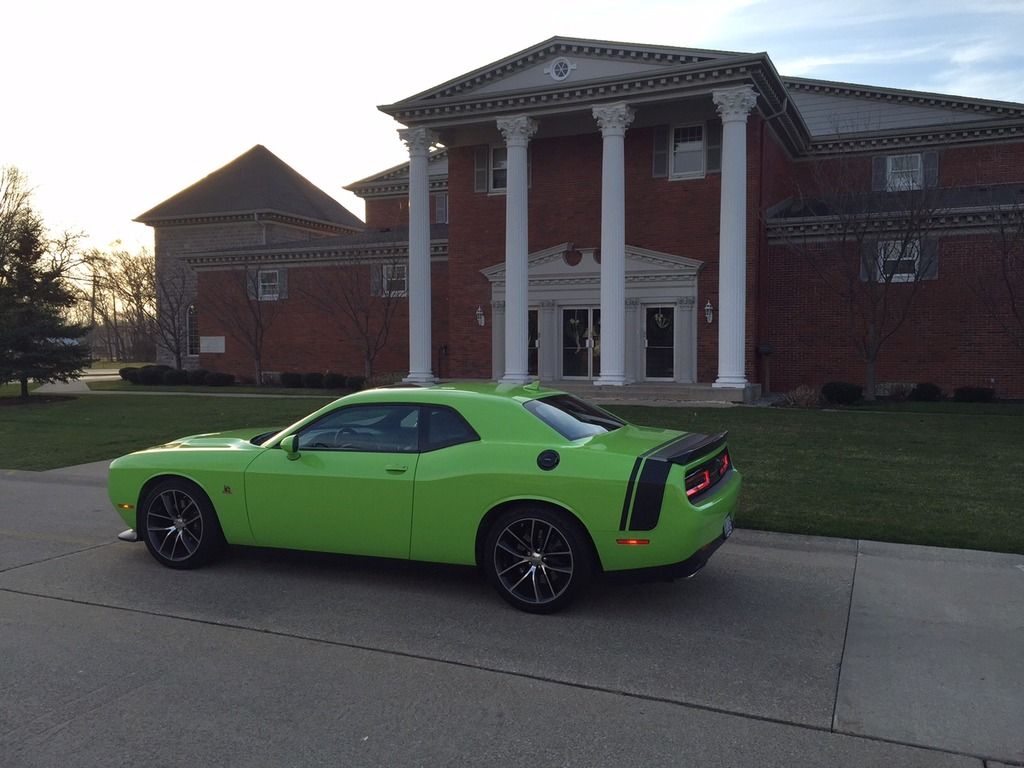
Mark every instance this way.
x=257 y=181
x=395 y=180
x=829 y=108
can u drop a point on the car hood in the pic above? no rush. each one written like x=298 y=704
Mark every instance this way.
x=236 y=438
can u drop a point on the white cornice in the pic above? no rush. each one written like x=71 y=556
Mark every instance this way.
x=311 y=255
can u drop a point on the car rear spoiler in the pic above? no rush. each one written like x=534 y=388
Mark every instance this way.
x=689 y=447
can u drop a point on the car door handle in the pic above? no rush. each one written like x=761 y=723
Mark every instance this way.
x=396 y=468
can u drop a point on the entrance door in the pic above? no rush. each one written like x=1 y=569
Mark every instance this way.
x=581 y=342
x=659 y=342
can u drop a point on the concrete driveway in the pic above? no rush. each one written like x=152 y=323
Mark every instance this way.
x=785 y=651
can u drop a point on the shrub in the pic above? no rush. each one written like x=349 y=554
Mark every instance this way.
x=384 y=379
x=153 y=374
x=215 y=379
x=334 y=381
x=355 y=382
x=926 y=392
x=899 y=392
x=802 y=397
x=842 y=392
x=313 y=380
x=289 y=379
x=174 y=377
x=129 y=374
x=974 y=394
x=197 y=377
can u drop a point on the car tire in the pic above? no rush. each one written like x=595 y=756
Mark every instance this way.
x=538 y=559
x=179 y=525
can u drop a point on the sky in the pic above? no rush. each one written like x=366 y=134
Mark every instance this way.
x=112 y=107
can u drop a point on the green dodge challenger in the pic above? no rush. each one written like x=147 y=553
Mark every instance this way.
x=538 y=488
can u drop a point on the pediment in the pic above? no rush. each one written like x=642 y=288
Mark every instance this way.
x=567 y=262
x=539 y=67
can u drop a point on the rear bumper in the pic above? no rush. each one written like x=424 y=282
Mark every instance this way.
x=684 y=569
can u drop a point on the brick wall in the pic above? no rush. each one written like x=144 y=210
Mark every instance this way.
x=949 y=337
x=300 y=335
x=393 y=211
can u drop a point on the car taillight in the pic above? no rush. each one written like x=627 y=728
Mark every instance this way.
x=707 y=474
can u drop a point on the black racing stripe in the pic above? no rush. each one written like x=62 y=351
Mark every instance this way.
x=659 y=446
x=629 y=495
x=649 y=494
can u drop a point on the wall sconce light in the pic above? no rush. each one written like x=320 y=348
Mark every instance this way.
x=480 y=316
x=709 y=312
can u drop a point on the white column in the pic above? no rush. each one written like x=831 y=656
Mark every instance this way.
x=419 y=141
x=497 y=338
x=613 y=119
x=517 y=132
x=734 y=104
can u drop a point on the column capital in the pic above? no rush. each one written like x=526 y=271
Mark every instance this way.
x=735 y=103
x=613 y=119
x=419 y=140
x=517 y=130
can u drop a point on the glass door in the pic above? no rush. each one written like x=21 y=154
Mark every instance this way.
x=581 y=342
x=659 y=342
x=532 y=342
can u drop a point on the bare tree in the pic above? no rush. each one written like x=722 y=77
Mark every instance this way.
x=119 y=289
x=361 y=299
x=1001 y=290
x=174 y=298
x=870 y=243
x=248 y=307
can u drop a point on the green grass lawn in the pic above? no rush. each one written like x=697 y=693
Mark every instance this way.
x=946 y=477
x=127 y=386
x=44 y=435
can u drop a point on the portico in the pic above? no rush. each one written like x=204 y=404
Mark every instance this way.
x=563 y=93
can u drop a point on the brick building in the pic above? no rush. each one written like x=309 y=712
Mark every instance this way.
x=616 y=213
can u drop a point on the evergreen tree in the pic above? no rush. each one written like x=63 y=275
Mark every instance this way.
x=37 y=341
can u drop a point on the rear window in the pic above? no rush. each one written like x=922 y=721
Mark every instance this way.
x=571 y=417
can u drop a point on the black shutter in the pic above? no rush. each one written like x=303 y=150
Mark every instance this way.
x=928 y=267
x=480 y=168
x=252 y=279
x=714 y=146
x=659 y=166
x=282 y=284
x=868 y=260
x=878 y=174
x=930 y=163
x=376 y=280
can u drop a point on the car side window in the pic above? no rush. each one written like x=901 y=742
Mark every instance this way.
x=445 y=427
x=365 y=428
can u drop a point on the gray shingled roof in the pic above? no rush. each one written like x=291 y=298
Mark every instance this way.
x=257 y=181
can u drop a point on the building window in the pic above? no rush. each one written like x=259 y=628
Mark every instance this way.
x=191 y=331
x=441 y=208
x=898 y=261
x=499 y=169
x=687 y=155
x=268 y=285
x=903 y=172
x=390 y=280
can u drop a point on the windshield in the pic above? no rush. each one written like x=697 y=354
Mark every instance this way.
x=571 y=417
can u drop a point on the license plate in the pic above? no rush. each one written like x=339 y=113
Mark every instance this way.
x=727 y=527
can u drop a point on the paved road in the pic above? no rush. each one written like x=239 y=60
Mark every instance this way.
x=785 y=651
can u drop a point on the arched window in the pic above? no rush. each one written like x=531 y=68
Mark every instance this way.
x=191 y=330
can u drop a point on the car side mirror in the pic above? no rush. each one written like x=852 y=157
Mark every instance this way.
x=290 y=445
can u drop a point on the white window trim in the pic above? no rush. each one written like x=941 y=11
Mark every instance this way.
x=890 y=173
x=441 y=205
x=702 y=173
x=491 y=189
x=390 y=273
x=267 y=295
x=911 y=251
